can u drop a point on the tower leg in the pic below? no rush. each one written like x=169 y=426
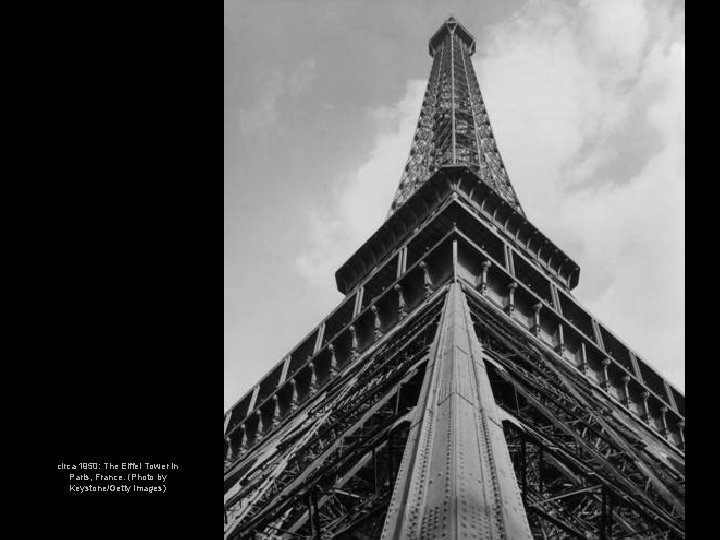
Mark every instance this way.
x=456 y=474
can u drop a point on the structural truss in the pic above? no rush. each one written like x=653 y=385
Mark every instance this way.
x=454 y=127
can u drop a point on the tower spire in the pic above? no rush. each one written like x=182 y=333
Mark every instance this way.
x=454 y=127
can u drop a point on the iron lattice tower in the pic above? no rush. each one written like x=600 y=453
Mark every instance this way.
x=459 y=391
x=454 y=127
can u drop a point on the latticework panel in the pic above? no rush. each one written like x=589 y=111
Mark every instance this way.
x=584 y=470
x=454 y=127
x=331 y=467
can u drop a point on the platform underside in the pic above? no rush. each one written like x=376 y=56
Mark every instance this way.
x=582 y=466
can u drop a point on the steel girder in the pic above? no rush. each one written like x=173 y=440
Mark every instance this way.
x=334 y=431
x=590 y=441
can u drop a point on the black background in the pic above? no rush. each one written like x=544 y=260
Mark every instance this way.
x=118 y=220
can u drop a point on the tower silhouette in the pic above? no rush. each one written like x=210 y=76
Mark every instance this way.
x=459 y=390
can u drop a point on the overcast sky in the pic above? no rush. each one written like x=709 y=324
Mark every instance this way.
x=586 y=100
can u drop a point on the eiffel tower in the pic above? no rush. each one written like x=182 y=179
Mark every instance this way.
x=459 y=390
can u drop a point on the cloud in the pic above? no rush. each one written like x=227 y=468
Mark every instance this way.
x=587 y=105
x=362 y=197
x=259 y=115
x=618 y=31
x=596 y=153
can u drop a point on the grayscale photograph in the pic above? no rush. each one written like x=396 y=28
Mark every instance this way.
x=454 y=270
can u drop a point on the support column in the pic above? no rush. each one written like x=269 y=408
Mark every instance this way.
x=319 y=338
x=293 y=396
x=663 y=421
x=242 y=447
x=583 y=358
x=484 y=276
x=226 y=420
x=353 y=342
x=401 y=262
x=510 y=308
x=605 y=384
x=286 y=365
x=560 y=348
x=313 y=377
x=229 y=452
x=626 y=388
x=555 y=298
x=377 y=333
x=253 y=399
x=635 y=366
x=402 y=310
x=333 y=361
x=260 y=426
x=276 y=412
x=536 y=319
x=358 y=301
x=427 y=282
x=509 y=260
x=646 y=408
x=598 y=335
x=681 y=433
x=456 y=475
x=670 y=395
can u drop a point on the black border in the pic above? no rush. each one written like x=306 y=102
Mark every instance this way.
x=120 y=302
